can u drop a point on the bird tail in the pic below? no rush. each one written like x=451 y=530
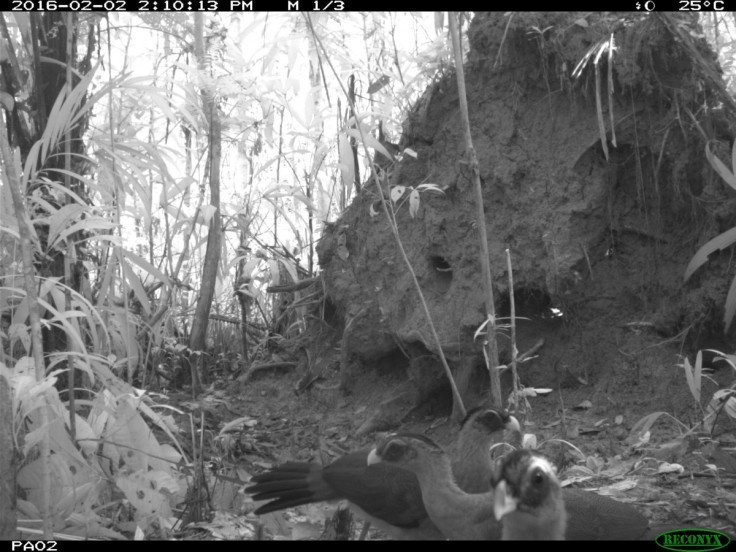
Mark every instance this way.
x=291 y=484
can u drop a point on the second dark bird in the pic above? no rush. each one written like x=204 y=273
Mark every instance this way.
x=386 y=495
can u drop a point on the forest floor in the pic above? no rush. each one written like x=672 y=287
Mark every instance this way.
x=274 y=424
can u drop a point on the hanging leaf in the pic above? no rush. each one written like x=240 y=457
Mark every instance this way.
x=319 y=157
x=135 y=285
x=397 y=192
x=347 y=166
x=370 y=142
x=414 y=203
x=377 y=85
x=693 y=375
x=208 y=211
x=148 y=267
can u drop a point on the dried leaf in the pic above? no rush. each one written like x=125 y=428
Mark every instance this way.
x=666 y=467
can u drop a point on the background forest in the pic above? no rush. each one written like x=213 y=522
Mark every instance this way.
x=228 y=240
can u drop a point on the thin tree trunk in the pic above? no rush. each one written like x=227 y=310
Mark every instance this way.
x=7 y=464
x=197 y=339
x=485 y=263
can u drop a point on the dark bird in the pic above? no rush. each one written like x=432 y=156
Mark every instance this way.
x=457 y=514
x=472 y=467
x=527 y=498
x=386 y=495
x=590 y=516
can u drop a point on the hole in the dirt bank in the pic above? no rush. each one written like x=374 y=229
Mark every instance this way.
x=531 y=303
x=528 y=301
x=330 y=312
x=391 y=363
x=441 y=273
x=439 y=402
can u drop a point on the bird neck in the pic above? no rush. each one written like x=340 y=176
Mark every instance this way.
x=472 y=464
x=436 y=469
x=457 y=514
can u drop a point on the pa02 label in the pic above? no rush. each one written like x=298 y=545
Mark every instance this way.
x=693 y=540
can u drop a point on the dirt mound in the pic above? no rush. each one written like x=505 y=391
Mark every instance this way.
x=599 y=237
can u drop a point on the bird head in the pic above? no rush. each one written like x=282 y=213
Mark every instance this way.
x=407 y=450
x=487 y=421
x=528 y=495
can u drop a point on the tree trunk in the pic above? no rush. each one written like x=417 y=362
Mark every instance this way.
x=7 y=464
x=197 y=339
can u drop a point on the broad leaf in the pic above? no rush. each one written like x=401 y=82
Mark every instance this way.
x=721 y=241
x=730 y=306
x=722 y=170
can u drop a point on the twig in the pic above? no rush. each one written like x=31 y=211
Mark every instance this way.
x=485 y=264
x=503 y=41
x=512 y=305
x=531 y=351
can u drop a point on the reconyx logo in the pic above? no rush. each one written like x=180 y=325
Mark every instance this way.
x=691 y=540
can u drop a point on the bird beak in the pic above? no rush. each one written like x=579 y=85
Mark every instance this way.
x=513 y=424
x=503 y=503
x=373 y=457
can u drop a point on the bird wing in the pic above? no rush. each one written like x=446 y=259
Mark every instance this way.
x=594 y=517
x=383 y=491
